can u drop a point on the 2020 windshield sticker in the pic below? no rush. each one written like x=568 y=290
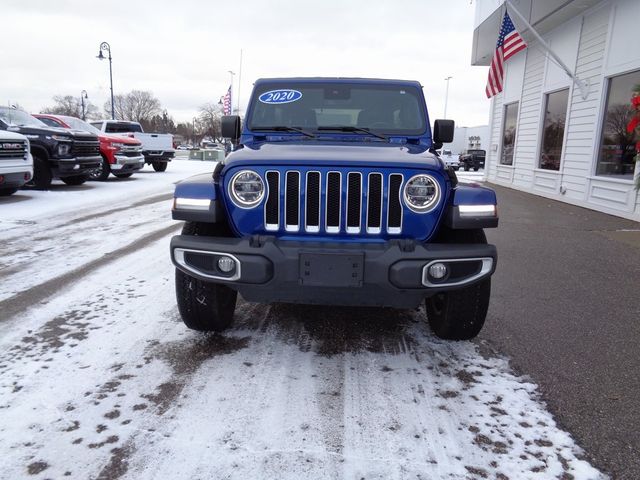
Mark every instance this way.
x=284 y=95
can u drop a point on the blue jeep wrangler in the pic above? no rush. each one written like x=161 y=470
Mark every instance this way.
x=334 y=195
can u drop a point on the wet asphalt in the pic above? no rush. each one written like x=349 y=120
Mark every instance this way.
x=565 y=308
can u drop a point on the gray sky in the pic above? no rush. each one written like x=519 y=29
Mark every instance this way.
x=182 y=50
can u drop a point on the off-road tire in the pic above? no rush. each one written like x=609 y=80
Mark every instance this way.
x=459 y=314
x=42 y=175
x=159 y=166
x=475 y=169
x=466 y=168
x=204 y=306
x=101 y=173
x=74 y=179
x=123 y=175
x=5 y=192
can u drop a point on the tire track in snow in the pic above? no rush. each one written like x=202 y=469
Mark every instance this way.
x=26 y=299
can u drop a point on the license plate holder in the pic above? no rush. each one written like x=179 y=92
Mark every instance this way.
x=331 y=269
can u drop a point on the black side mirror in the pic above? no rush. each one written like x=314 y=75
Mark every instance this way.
x=230 y=126
x=443 y=132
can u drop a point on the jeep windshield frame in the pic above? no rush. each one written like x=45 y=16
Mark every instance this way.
x=335 y=106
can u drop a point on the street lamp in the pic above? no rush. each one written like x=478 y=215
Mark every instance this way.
x=446 y=96
x=83 y=95
x=194 y=131
x=104 y=46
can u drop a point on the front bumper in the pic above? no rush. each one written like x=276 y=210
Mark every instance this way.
x=392 y=274
x=66 y=167
x=158 y=155
x=14 y=179
x=124 y=163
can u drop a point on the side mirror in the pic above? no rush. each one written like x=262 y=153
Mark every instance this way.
x=443 y=131
x=230 y=126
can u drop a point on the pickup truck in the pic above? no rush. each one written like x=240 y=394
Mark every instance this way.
x=16 y=163
x=70 y=155
x=121 y=156
x=334 y=195
x=157 y=148
x=472 y=159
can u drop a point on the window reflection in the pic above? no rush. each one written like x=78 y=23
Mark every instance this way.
x=555 y=116
x=509 y=133
x=617 y=149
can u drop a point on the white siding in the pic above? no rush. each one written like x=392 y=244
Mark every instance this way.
x=528 y=128
x=583 y=123
x=495 y=132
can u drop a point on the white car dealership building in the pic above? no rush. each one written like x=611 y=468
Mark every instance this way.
x=549 y=136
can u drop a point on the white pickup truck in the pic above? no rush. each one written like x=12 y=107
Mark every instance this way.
x=157 y=148
x=16 y=163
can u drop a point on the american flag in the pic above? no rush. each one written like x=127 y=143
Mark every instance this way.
x=226 y=103
x=509 y=43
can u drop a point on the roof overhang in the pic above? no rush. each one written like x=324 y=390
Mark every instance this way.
x=543 y=15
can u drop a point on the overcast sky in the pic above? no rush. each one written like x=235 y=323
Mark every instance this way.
x=182 y=50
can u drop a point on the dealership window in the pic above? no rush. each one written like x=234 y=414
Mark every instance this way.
x=617 y=147
x=509 y=133
x=555 y=116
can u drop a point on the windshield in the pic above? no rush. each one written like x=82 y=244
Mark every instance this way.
x=78 y=124
x=392 y=109
x=19 y=118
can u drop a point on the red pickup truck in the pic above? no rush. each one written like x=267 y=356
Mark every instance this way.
x=120 y=155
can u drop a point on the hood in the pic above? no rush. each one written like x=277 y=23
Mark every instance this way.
x=72 y=134
x=119 y=139
x=335 y=153
x=6 y=135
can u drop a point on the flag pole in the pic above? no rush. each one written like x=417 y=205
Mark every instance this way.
x=582 y=84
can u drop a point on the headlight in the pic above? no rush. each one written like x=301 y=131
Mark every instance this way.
x=64 y=149
x=246 y=189
x=61 y=138
x=421 y=193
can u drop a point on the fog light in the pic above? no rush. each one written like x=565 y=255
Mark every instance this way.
x=27 y=176
x=438 y=270
x=226 y=264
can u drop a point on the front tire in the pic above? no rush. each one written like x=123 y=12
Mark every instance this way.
x=102 y=172
x=42 y=175
x=204 y=306
x=5 y=192
x=459 y=314
x=74 y=180
x=159 y=166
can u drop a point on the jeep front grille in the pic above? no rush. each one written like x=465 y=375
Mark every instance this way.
x=333 y=202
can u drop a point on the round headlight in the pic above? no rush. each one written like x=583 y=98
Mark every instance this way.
x=246 y=189
x=421 y=193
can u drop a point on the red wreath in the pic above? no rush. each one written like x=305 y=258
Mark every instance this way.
x=635 y=121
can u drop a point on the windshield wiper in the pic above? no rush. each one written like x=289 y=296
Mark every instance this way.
x=282 y=128
x=348 y=128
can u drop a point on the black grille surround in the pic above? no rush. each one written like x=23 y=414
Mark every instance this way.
x=85 y=148
x=328 y=202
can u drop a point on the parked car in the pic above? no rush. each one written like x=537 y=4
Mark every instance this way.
x=121 y=156
x=449 y=160
x=472 y=159
x=157 y=148
x=318 y=205
x=70 y=155
x=16 y=163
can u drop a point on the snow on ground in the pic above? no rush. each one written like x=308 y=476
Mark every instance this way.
x=100 y=379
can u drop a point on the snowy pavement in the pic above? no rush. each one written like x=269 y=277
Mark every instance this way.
x=100 y=379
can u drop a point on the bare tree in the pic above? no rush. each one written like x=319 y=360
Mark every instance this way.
x=137 y=106
x=210 y=115
x=618 y=117
x=71 y=106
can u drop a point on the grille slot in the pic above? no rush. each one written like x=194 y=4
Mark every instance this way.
x=292 y=202
x=394 y=213
x=85 y=149
x=334 y=202
x=374 y=205
x=272 y=206
x=7 y=150
x=326 y=202
x=354 y=201
x=312 y=199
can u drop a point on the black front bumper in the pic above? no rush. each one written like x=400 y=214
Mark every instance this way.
x=151 y=156
x=392 y=274
x=69 y=167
